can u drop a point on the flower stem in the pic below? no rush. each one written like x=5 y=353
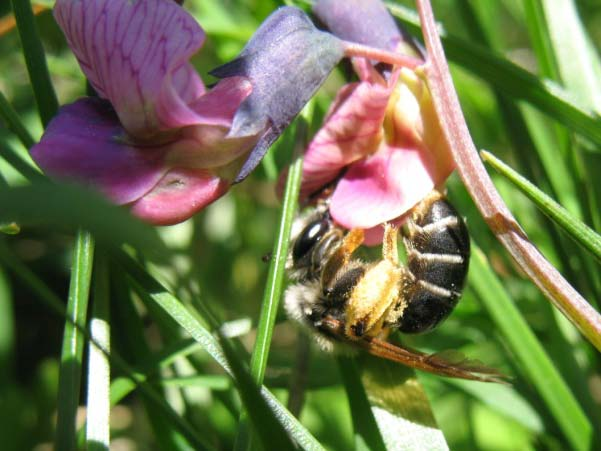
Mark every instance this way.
x=352 y=49
x=486 y=197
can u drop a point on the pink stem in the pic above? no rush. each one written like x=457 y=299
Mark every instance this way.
x=485 y=195
x=397 y=59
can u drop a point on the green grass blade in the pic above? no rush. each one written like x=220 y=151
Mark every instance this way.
x=73 y=342
x=539 y=36
x=577 y=61
x=69 y=207
x=29 y=279
x=367 y=434
x=35 y=59
x=269 y=430
x=54 y=303
x=129 y=337
x=7 y=329
x=531 y=356
x=575 y=229
x=14 y=124
x=99 y=370
x=277 y=267
x=510 y=79
x=275 y=276
x=18 y=163
x=153 y=291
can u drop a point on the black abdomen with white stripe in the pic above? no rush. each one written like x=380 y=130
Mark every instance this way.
x=438 y=248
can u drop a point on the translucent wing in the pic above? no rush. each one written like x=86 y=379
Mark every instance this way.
x=446 y=363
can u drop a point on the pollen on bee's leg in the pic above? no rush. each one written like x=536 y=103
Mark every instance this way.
x=389 y=244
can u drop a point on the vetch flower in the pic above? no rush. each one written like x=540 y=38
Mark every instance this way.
x=156 y=138
x=381 y=140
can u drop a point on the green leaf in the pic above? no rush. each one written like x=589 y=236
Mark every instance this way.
x=530 y=354
x=73 y=342
x=367 y=434
x=35 y=60
x=99 y=369
x=512 y=80
x=575 y=229
x=399 y=405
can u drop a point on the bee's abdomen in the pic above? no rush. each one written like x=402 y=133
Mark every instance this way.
x=438 y=248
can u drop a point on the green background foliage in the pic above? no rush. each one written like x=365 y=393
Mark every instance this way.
x=164 y=290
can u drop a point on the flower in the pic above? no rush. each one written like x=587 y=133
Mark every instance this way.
x=381 y=140
x=155 y=138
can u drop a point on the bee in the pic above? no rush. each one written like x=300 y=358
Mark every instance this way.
x=346 y=301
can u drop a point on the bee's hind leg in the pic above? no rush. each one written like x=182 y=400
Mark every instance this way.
x=389 y=244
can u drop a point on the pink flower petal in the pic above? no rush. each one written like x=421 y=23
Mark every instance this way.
x=180 y=194
x=381 y=187
x=352 y=130
x=83 y=143
x=136 y=54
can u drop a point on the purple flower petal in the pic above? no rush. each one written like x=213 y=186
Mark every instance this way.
x=180 y=194
x=83 y=143
x=286 y=61
x=366 y=22
x=136 y=54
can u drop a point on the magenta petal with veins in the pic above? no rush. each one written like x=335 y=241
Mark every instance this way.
x=136 y=55
x=352 y=130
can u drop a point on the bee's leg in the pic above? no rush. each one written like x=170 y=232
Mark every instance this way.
x=389 y=244
x=341 y=256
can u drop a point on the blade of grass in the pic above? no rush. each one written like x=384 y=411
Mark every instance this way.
x=73 y=342
x=129 y=336
x=275 y=276
x=577 y=61
x=99 y=370
x=533 y=359
x=35 y=60
x=14 y=124
x=514 y=81
x=577 y=230
x=577 y=66
x=266 y=425
x=151 y=290
x=71 y=207
x=55 y=304
x=7 y=329
x=18 y=163
x=367 y=434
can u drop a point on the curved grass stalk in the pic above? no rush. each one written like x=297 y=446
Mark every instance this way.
x=485 y=196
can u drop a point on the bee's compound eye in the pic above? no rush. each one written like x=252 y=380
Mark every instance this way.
x=309 y=237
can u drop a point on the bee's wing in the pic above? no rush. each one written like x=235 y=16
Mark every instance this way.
x=446 y=363
x=449 y=363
